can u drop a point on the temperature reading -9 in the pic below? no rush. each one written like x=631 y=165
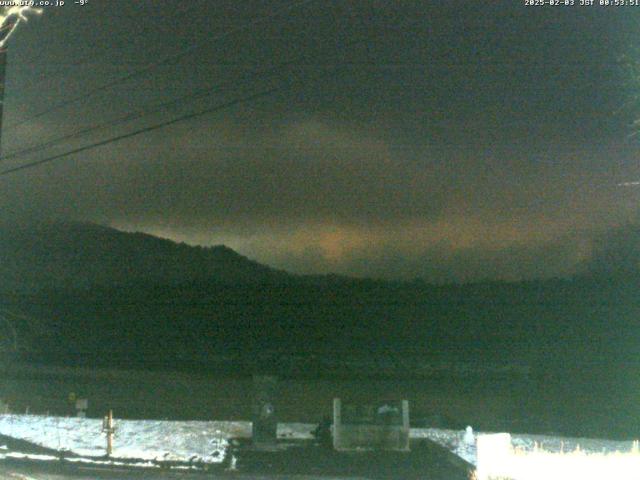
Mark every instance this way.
x=81 y=2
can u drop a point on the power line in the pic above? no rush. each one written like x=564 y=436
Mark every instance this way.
x=200 y=93
x=185 y=117
x=302 y=59
x=151 y=128
x=155 y=65
x=92 y=57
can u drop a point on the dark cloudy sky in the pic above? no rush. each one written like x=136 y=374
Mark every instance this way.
x=457 y=140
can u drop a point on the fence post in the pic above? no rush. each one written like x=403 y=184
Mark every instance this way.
x=109 y=430
x=337 y=423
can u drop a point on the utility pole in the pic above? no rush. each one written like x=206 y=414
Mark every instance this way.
x=3 y=69
x=10 y=18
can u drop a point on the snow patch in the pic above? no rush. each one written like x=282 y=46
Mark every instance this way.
x=455 y=441
x=134 y=439
x=208 y=442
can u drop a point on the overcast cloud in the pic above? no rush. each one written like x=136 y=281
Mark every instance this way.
x=450 y=149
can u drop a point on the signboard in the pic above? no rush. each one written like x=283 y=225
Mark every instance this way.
x=374 y=426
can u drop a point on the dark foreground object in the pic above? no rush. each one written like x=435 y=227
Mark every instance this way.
x=295 y=460
x=425 y=461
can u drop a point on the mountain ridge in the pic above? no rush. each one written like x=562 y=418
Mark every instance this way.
x=74 y=254
x=133 y=297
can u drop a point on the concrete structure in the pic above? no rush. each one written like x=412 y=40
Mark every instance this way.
x=373 y=427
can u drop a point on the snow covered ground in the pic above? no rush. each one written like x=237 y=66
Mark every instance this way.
x=136 y=439
x=454 y=441
x=160 y=440
x=208 y=441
